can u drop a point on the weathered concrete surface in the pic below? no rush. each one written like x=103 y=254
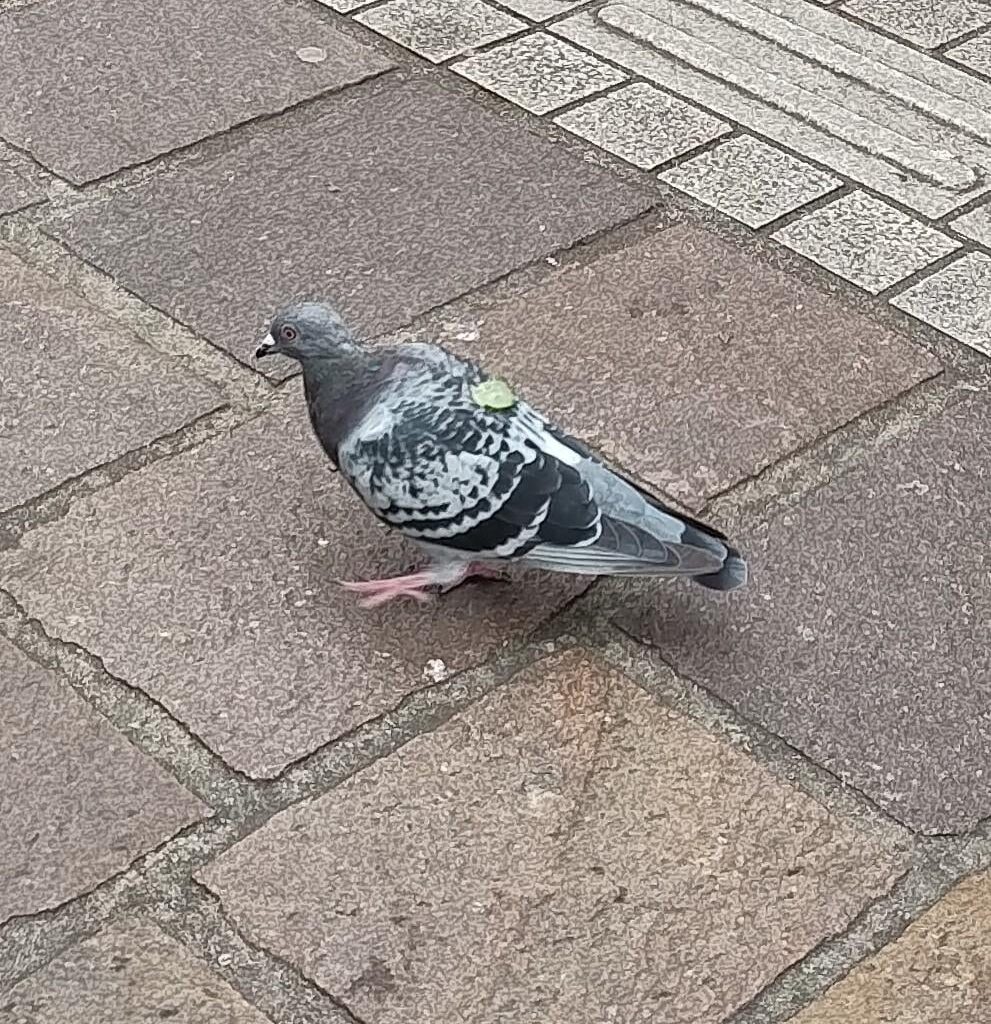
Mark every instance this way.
x=566 y=851
x=209 y=580
x=20 y=182
x=938 y=970
x=690 y=362
x=77 y=389
x=129 y=974
x=386 y=199
x=78 y=803
x=864 y=638
x=90 y=87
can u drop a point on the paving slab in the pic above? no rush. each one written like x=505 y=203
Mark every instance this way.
x=78 y=802
x=938 y=970
x=956 y=300
x=399 y=195
x=439 y=29
x=751 y=181
x=691 y=363
x=643 y=125
x=129 y=974
x=539 y=72
x=77 y=389
x=20 y=182
x=834 y=91
x=344 y=6
x=541 y=10
x=166 y=75
x=975 y=225
x=566 y=851
x=209 y=581
x=926 y=23
x=974 y=54
x=864 y=637
x=866 y=241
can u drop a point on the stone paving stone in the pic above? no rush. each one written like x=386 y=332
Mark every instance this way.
x=541 y=10
x=20 y=183
x=976 y=225
x=690 y=363
x=956 y=300
x=642 y=124
x=77 y=390
x=828 y=88
x=865 y=634
x=438 y=29
x=539 y=72
x=399 y=195
x=225 y=607
x=128 y=974
x=937 y=972
x=78 y=802
x=551 y=854
x=866 y=241
x=167 y=75
x=926 y=23
x=344 y=6
x=975 y=53
x=750 y=181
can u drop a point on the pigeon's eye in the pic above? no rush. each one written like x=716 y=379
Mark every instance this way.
x=288 y=333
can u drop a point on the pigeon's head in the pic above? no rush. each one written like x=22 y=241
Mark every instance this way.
x=307 y=330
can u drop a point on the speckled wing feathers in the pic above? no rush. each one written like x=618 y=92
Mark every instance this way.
x=481 y=483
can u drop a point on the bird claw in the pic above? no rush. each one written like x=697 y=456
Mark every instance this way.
x=378 y=592
x=423 y=586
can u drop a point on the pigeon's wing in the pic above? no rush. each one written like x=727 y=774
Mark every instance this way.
x=431 y=462
x=637 y=534
x=434 y=464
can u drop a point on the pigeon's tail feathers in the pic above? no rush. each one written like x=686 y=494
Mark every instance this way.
x=733 y=574
x=622 y=548
x=665 y=525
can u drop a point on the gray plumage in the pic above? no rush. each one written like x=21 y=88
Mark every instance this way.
x=477 y=484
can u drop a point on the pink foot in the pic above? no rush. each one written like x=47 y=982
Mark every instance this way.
x=378 y=592
x=445 y=576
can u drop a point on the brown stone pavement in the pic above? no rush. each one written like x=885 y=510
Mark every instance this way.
x=226 y=794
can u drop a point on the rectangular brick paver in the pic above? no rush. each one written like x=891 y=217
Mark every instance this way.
x=566 y=851
x=937 y=972
x=126 y=83
x=864 y=636
x=128 y=974
x=77 y=389
x=691 y=363
x=387 y=199
x=209 y=581
x=78 y=803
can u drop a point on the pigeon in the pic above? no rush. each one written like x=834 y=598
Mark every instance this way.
x=455 y=461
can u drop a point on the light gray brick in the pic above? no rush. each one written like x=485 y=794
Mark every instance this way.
x=926 y=23
x=866 y=241
x=643 y=125
x=956 y=300
x=539 y=72
x=750 y=181
x=975 y=225
x=975 y=53
x=439 y=29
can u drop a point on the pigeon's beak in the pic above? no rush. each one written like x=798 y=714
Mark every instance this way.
x=265 y=347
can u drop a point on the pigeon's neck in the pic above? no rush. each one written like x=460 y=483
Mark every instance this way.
x=339 y=388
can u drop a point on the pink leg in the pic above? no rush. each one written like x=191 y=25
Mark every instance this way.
x=446 y=576
x=378 y=592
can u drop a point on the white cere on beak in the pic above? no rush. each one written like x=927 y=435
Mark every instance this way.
x=267 y=342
